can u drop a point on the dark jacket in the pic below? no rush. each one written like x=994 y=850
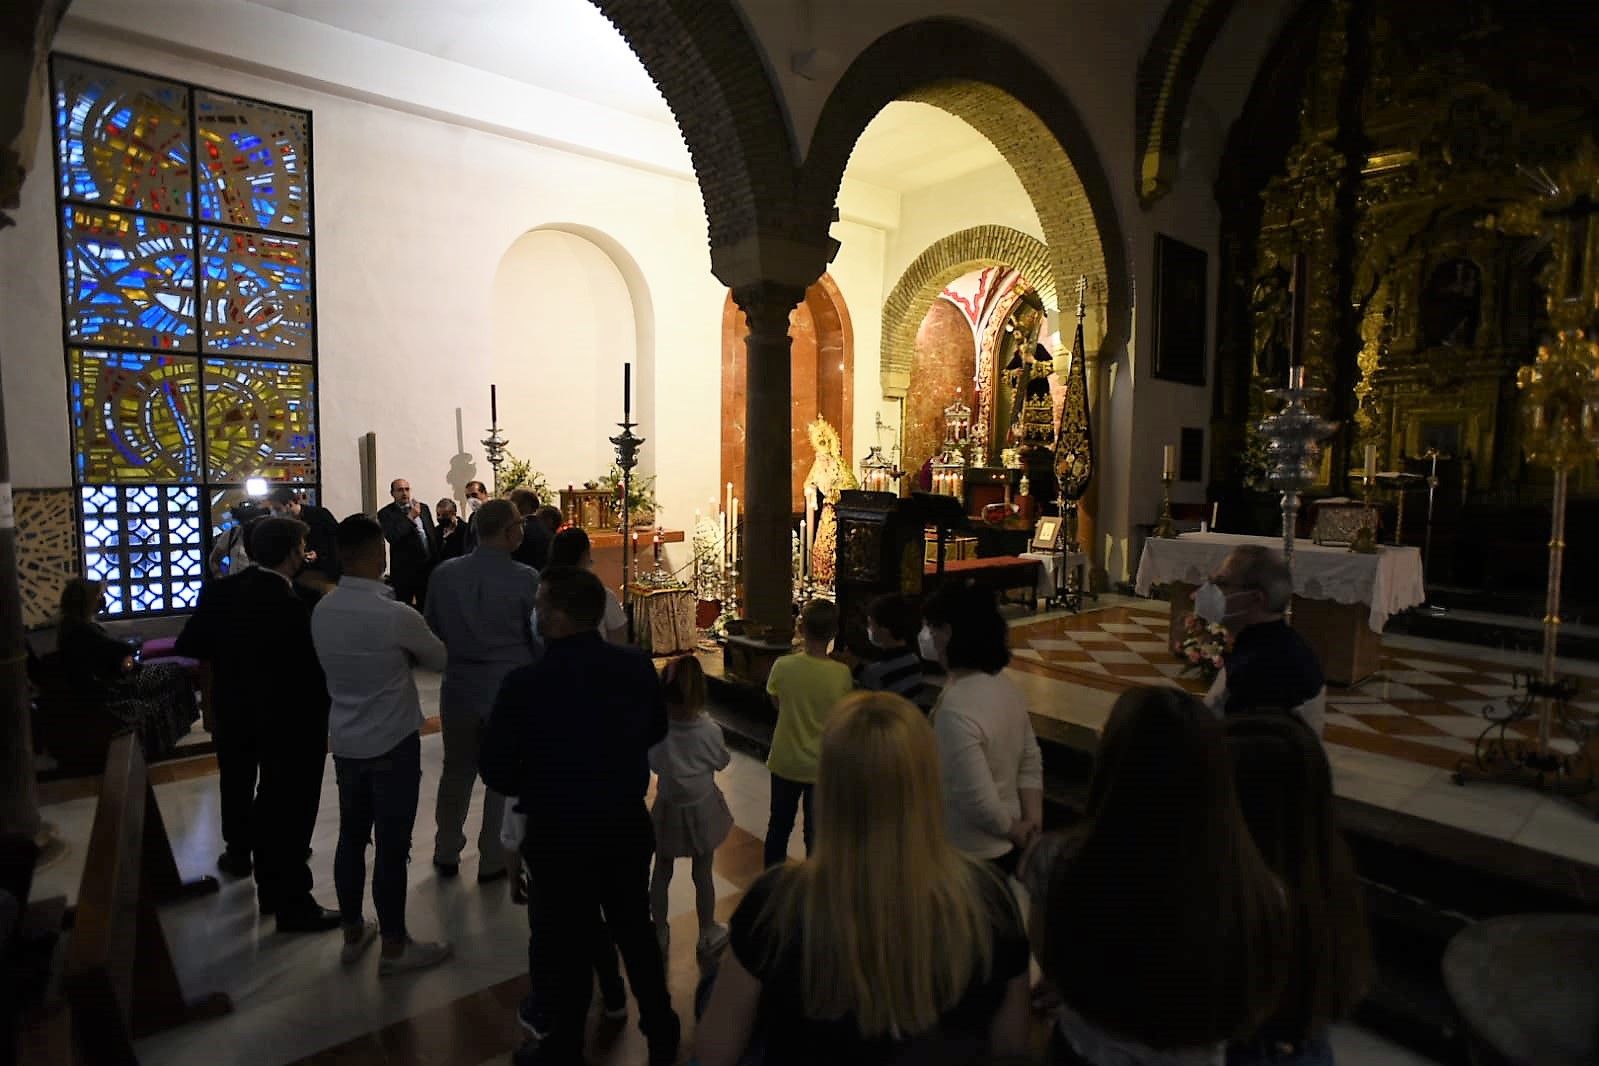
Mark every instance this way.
x=89 y=651
x=535 y=548
x=322 y=539
x=407 y=552
x=570 y=735
x=254 y=630
x=451 y=545
x=1271 y=669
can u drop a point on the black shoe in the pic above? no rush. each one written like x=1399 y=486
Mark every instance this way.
x=267 y=906
x=614 y=1000
x=235 y=864
x=308 y=918
x=492 y=876
x=447 y=869
x=664 y=1045
x=531 y=1017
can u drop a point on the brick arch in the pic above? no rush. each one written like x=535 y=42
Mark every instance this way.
x=1002 y=93
x=1166 y=76
x=945 y=260
x=713 y=74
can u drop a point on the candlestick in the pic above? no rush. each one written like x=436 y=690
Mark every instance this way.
x=805 y=549
x=1165 y=528
x=657 y=547
x=733 y=528
x=627 y=391
x=1215 y=508
x=1371 y=461
x=494 y=405
x=1296 y=377
x=1168 y=462
x=727 y=502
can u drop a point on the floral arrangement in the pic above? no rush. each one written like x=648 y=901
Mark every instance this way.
x=1203 y=645
x=642 y=505
x=519 y=474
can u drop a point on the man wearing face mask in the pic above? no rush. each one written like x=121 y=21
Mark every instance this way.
x=477 y=494
x=1270 y=667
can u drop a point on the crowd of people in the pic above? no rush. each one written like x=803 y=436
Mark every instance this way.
x=1204 y=910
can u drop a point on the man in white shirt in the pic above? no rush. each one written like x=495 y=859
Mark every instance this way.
x=368 y=644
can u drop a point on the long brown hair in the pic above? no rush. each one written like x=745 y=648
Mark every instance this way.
x=890 y=921
x=1164 y=924
x=1285 y=790
x=80 y=600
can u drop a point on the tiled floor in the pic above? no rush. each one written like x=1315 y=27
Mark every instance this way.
x=1393 y=741
x=294 y=1004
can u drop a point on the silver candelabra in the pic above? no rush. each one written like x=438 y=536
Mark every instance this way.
x=1295 y=434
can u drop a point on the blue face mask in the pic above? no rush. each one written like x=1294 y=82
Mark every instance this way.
x=1210 y=603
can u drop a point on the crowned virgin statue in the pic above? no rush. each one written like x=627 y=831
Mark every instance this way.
x=830 y=475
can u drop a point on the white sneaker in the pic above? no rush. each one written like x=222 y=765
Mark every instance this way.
x=713 y=938
x=352 y=951
x=417 y=955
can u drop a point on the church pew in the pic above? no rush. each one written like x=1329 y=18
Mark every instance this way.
x=118 y=982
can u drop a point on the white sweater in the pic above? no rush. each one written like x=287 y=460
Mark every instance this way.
x=987 y=754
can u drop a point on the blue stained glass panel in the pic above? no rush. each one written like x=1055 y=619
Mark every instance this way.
x=144 y=542
x=130 y=279
x=135 y=417
x=122 y=139
x=254 y=163
x=260 y=420
x=257 y=294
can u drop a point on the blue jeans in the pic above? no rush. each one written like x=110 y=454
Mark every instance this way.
x=787 y=798
x=377 y=798
x=1317 y=1051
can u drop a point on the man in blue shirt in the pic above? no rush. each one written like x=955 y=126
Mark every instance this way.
x=481 y=606
x=570 y=737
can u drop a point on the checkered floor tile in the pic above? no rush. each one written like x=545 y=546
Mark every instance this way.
x=1426 y=708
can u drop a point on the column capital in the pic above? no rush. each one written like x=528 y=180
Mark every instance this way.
x=767 y=305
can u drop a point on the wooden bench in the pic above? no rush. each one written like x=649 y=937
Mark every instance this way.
x=1002 y=573
x=118 y=983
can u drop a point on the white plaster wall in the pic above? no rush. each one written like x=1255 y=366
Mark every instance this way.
x=857 y=270
x=990 y=197
x=414 y=217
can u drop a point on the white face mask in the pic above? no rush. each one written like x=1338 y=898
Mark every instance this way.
x=927 y=645
x=473 y=503
x=1210 y=603
x=875 y=637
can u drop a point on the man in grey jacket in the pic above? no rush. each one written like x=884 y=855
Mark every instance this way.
x=481 y=606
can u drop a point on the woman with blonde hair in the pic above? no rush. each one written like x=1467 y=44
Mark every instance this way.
x=886 y=944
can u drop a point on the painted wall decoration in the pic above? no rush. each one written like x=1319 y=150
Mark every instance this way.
x=188 y=317
x=47 y=551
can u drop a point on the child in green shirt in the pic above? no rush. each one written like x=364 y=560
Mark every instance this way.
x=805 y=686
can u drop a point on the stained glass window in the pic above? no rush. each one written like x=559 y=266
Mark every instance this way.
x=191 y=356
x=130 y=278
x=260 y=420
x=122 y=140
x=257 y=294
x=145 y=543
x=223 y=499
x=254 y=164
x=135 y=416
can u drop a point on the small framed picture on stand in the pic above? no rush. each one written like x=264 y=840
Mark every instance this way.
x=1049 y=534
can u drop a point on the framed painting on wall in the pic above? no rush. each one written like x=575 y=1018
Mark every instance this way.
x=1180 y=318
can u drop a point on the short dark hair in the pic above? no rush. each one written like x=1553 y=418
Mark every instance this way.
x=356 y=532
x=897 y=614
x=525 y=500
x=979 y=639
x=282 y=494
x=495 y=517
x=819 y=620
x=479 y=484
x=550 y=516
x=273 y=540
x=569 y=547
x=576 y=593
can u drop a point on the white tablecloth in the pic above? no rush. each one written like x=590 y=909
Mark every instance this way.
x=1389 y=581
x=1050 y=577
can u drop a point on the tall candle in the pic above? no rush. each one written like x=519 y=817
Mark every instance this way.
x=1168 y=462
x=727 y=503
x=804 y=545
x=733 y=525
x=1296 y=377
x=627 y=391
x=1215 y=510
x=1371 y=461
x=494 y=406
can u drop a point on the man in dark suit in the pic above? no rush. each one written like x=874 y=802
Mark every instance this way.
x=408 y=527
x=536 y=535
x=322 y=542
x=252 y=632
x=477 y=494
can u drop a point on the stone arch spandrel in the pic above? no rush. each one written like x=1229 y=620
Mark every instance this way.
x=1002 y=93
x=714 y=76
x=1166 y=76
x=945 y=260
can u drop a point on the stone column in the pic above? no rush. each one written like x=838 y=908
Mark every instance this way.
x=765 y=563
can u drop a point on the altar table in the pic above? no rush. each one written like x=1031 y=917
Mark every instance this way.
x=663 y=619
x=1342 y=599
x=608 y=554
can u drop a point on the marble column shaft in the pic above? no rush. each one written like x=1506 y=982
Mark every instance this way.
x=768 y=454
